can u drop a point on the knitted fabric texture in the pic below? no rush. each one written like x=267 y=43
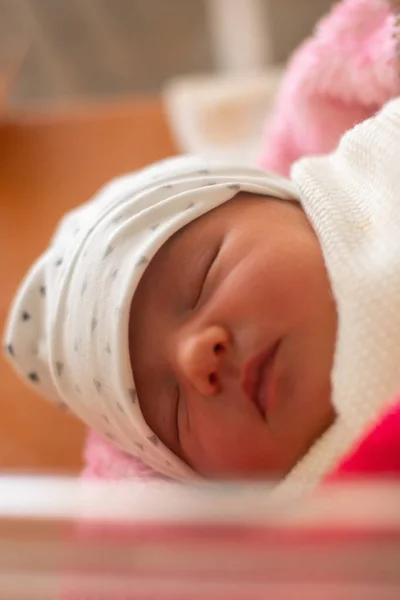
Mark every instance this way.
x=340 y=76
x=351 y=197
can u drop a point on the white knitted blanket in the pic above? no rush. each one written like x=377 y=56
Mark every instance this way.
x=352 y=198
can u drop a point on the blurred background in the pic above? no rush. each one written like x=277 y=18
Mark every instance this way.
x=83 y=48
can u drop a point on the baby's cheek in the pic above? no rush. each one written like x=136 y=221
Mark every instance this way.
x=226 y=447
x=298 y=285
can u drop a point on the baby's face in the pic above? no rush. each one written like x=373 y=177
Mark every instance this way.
x=232 y=338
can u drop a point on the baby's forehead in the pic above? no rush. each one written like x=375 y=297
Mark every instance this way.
x=198 y=231
x=201 y=230
x=204 y=223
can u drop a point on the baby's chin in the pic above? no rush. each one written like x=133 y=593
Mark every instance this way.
x=261 y=456
x=245 y=472
x=245 y=463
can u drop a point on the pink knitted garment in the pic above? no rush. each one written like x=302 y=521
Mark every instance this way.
x=104 y=461
x=337 y=78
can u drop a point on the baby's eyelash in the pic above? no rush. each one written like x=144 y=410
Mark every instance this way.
x=178 y=398
x=206 y=272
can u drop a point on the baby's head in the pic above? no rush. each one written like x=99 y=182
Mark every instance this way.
x=232 y=335
x=186 y=313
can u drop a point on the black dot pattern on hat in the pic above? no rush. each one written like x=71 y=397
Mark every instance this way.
x=109 y=250
x=93 y=324
x=33 y=376
x=42 y=290
x=143 y=260
x=58 y=262
x=97 y=385
x=114 y=274
x=133 y=395
x=190 y=206
x=155 y=226
x=167 y=186
x=10 y=349
x=25 y=316
x=59 y=368
x=120 y=407
x=153 y=439
x=108 y=348
x=233 y=186
x=140 y=446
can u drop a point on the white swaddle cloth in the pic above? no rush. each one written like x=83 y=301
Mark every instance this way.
x=68 y=328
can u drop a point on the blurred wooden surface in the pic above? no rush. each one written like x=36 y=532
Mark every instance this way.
x=50 y=162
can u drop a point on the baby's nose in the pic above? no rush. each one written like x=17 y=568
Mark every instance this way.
x=200 y=357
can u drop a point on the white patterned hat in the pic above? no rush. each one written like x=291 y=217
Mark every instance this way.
x=68 y=329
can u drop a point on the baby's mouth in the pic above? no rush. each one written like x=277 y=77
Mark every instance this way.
x=256 y=379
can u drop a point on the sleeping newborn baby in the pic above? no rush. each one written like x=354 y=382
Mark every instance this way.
x=223 y=322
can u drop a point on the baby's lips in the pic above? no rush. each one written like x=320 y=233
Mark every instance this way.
x=255 y=378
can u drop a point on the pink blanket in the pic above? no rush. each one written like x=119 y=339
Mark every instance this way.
x=378 y=454
x=340 y=76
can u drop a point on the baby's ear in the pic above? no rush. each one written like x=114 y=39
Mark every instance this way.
x=102 y=460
